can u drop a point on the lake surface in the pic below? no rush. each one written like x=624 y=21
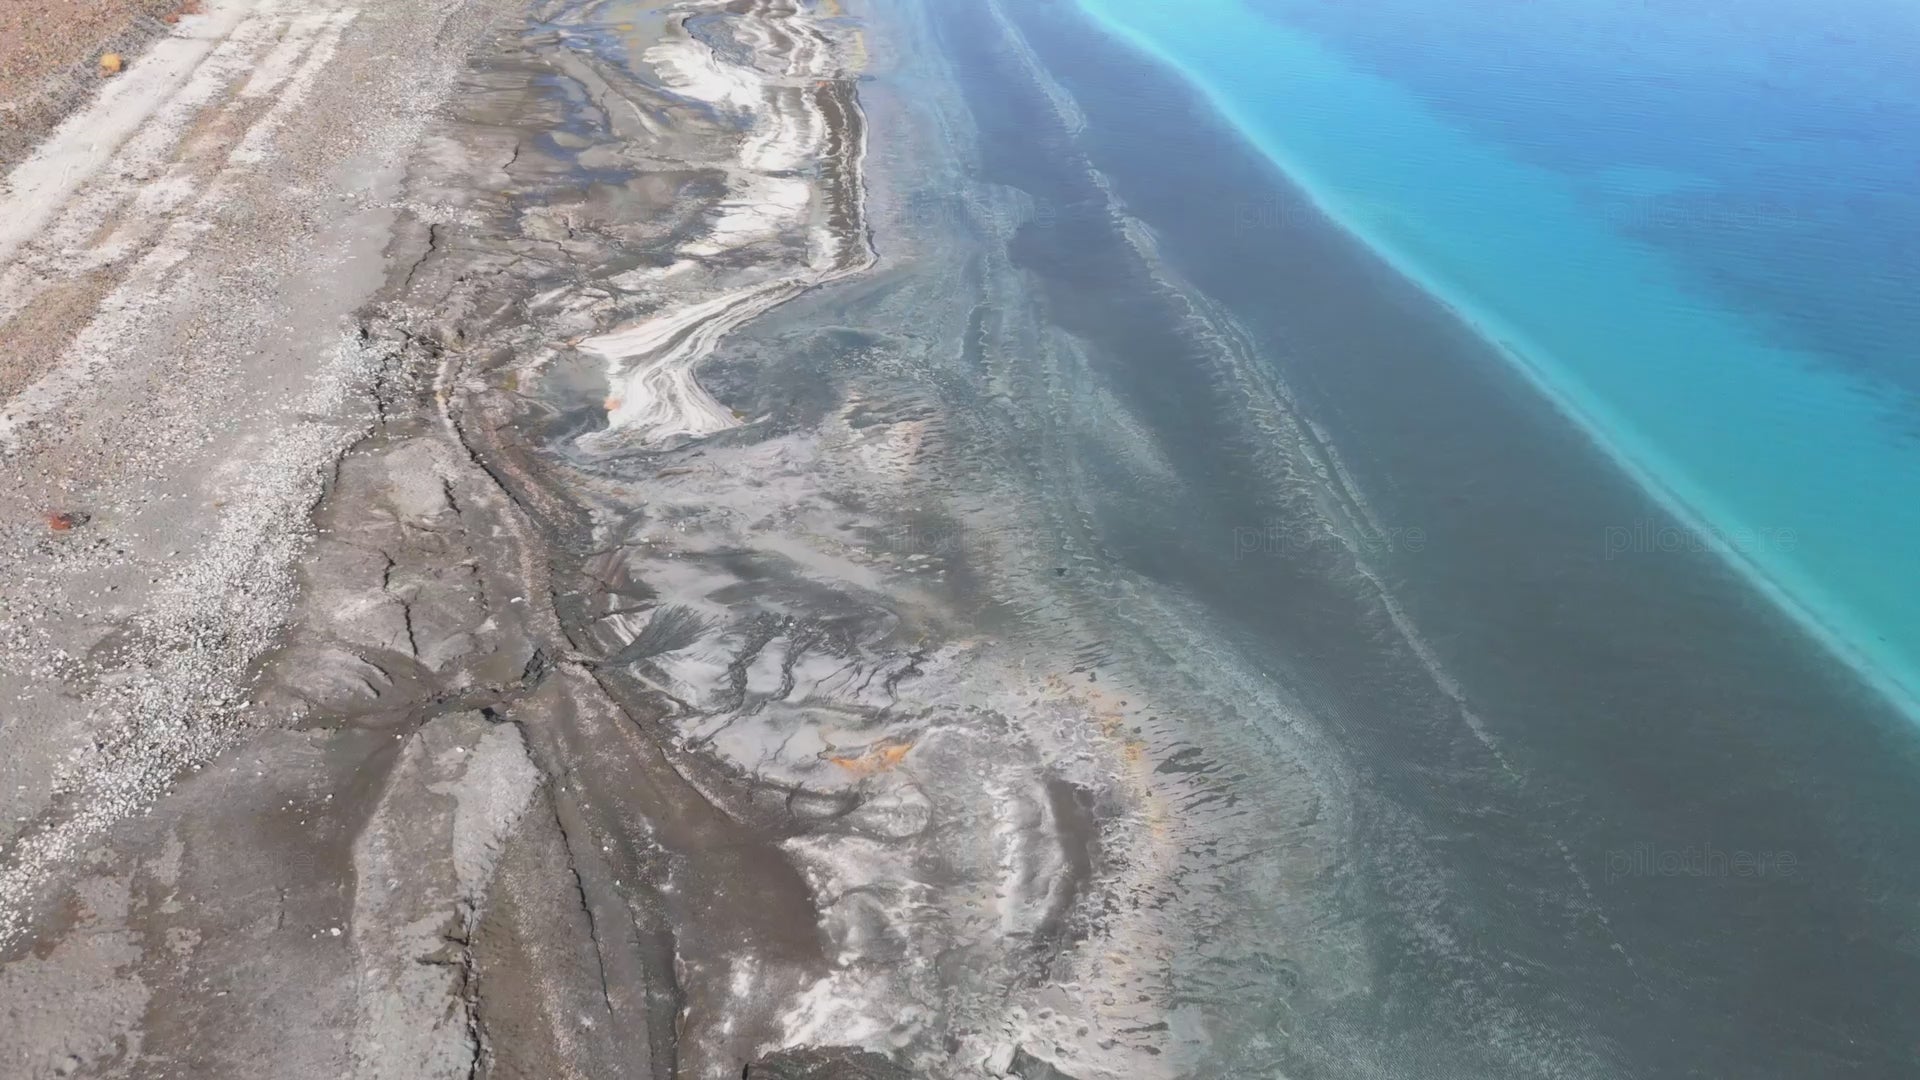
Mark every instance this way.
x=1500 y=420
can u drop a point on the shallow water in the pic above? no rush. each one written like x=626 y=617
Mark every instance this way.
x=1559 y=810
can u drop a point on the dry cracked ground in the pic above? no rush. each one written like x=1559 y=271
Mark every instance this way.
x=291 y=739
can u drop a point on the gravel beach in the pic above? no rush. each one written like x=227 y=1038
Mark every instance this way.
x=50 y=54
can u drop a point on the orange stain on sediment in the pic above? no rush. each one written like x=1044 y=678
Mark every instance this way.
x=881 y=755
x=612 y=404
x=1114 y=719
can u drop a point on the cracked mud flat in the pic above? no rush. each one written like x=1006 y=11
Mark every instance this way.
x=693 y=666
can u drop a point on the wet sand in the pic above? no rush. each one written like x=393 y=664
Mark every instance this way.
x=823 y=812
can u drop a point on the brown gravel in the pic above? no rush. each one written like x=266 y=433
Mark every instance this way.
x=49 y=50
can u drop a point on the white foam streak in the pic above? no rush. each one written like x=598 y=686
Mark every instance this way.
x=654 y=361
x=775 y=200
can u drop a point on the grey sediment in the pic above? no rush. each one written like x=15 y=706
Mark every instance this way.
x=667 y=880
x=573 y=740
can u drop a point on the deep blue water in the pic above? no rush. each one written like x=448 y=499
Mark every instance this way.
x=1693 y=226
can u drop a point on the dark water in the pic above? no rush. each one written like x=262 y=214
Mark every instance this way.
x=1601 y=814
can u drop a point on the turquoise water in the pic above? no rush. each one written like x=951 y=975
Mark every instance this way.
x=1650 y=251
